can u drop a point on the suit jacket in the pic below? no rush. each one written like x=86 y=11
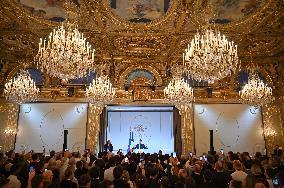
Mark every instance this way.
x=277 y=152
x=68 y=184
x=108 y=148
x=118 y=183
x=140 y=146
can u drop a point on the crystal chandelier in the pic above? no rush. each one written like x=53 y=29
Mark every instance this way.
x=100 y=91
x=210 y=57
x=179 y=93
x=65 y=54
x=255 y=92
x=21 y=89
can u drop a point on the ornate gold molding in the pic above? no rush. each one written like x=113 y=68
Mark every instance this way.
x=9 y=121
x=93 y=127
x=272 y=121
x=187 y=134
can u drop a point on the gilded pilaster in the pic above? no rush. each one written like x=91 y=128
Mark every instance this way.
x=273 y=126
x=8 y=129
x=187 y=133
x=93 y=127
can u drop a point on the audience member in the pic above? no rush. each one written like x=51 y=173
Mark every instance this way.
x=235 y=184
x=15 y=183
x=118 y=181
x=68 y=181
x=239 y=174
x=221 y=176
x=277 y=151
x=94 y=174
x=108 y=174
x=85 y=181
x=4 y=182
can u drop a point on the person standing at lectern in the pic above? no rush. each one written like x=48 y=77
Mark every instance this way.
x=140 y=145
x=108 y=147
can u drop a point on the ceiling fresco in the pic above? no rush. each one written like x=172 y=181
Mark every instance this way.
x=48 y=9
x=140 y=11
x=227 y=11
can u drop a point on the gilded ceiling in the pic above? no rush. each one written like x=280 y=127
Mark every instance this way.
x=145 y=35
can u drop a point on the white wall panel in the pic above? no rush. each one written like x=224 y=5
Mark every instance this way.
x=41 y=125
x=236 y=127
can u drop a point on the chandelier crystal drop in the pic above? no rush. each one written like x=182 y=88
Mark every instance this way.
x=100 y=92
x=21 y=89
x=255 y=92
x=179 y=93
x=210 y=57
x=65 y=54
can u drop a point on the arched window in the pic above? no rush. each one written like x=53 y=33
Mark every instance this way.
x=85 y=80
x=140 y=73
x=36 y=75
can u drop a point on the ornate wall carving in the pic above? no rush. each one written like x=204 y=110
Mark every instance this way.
x=8 y=128
x=93 y=127
x=187 y=131
x=273 y=125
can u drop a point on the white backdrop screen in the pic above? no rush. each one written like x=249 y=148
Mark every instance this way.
x=236 y=128
x=155 y=129
x=41 y=125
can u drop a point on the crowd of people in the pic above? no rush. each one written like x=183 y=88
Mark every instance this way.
x=140 y=170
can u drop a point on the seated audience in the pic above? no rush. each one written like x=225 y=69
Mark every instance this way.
x=140 y=170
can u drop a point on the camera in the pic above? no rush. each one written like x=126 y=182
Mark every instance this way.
x=126 y=159
x=275 y=182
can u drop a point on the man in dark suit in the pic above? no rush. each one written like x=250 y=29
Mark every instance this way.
x=140 y=145
x=277 y=151
x=108 y=147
